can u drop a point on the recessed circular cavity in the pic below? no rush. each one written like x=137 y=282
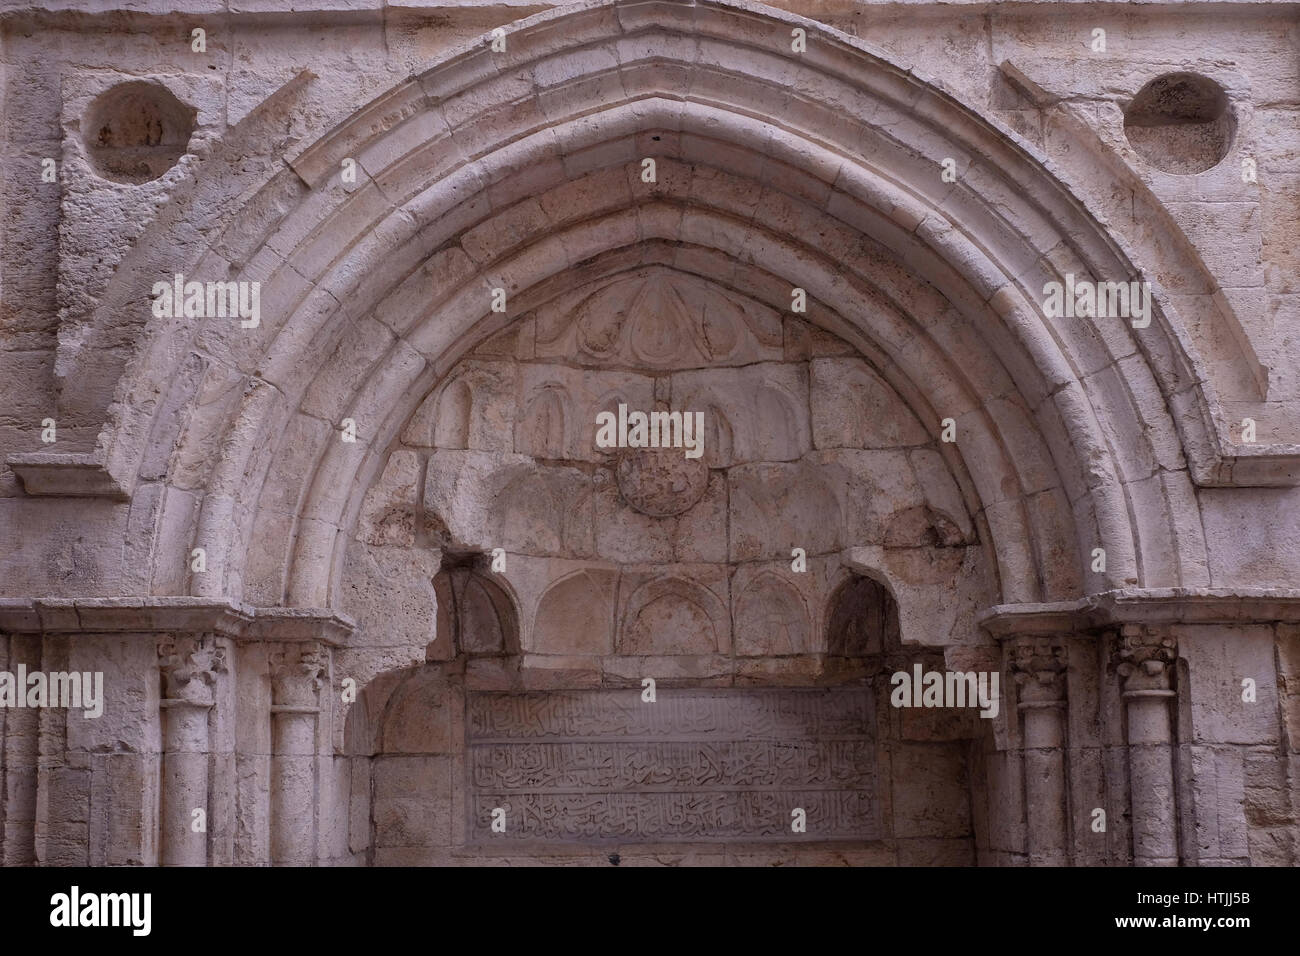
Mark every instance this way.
x=1181 y=123
x=136 y=131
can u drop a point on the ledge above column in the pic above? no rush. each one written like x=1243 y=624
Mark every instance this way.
x=1145 y=606
x=175 y=615
x=52 y=474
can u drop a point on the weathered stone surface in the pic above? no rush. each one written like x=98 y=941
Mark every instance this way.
x=388 y=514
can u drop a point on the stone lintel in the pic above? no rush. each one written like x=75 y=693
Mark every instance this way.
x=67 y=475
x=1256 y=466
x=1144 y=606
x=1237 y=465
x=299 y=624
x=175 y=615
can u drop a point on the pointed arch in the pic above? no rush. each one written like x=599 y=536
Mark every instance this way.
x=518 y=171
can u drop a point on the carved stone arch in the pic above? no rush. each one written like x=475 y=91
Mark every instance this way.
x=455 y=411
x=788 y=437
x=481 y=615
x=719 y=437
x=838 y=206
x=608 y=402
x=417 y=718
x=518 y=172
x=725 y=437
x=575 y=615
x=545 y=510
x=671 y=615
x=772 y=619
x=544 y=429
x=776 y=506
x=861 y=618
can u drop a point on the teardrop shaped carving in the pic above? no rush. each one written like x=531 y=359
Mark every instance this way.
x=661 y=319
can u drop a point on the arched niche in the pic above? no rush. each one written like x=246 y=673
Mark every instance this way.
x=478 y=614
x=576 y=615
x=861 y=619
x=672 y=615
x=455 y=409
x=772 y=619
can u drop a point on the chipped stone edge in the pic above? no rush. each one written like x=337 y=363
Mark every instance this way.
x=173 y=614
x=67 y=475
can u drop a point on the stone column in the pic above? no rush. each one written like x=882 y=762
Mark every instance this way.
x=1146 y=665
x=189 y=666
x=1038 y=667
x=297 y=675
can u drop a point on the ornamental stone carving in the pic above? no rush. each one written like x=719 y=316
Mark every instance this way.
x=1146 y=659
x=189 y=666
x=661 y=482
x=297 y=674
x=1038 y=666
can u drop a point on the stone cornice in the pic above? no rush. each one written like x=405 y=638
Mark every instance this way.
x=143 y=15
x=67 y=474
x=180 y=615
x=1145 y=606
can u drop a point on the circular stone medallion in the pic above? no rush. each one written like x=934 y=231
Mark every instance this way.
x=661 y=481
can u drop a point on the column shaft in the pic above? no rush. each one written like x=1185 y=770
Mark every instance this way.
x=1146 y=665
x=1038 y=667
x=184 y=783
x=297 y=672
x=188 y=666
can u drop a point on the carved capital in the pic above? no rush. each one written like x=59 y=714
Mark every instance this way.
x=1145 y=659
x=189 y=666
x=1038 y=667
x=298 y=672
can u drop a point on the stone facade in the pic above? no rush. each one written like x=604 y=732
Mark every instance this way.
x=364 y=584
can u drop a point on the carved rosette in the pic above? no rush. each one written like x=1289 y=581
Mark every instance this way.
x=298 y=672
x=661 y=482
x=1038 y=667
x=1146 y=661
x=189 y=668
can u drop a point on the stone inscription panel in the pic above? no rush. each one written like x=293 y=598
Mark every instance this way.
x=708 y=765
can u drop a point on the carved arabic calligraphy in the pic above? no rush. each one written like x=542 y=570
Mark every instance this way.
x=697 y=765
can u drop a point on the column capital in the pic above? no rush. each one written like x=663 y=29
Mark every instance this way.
x=1038 y=665
x=298 y=671
x=1144 y=659
x=189 y=665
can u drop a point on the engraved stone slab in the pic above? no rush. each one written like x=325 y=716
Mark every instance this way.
x=708 y=765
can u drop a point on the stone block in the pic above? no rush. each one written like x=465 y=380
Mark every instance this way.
x=1219 y=659
x=929 y=791
x=389 y=592
x=853 y=407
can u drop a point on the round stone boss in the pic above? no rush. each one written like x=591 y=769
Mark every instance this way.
x=661 y=482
